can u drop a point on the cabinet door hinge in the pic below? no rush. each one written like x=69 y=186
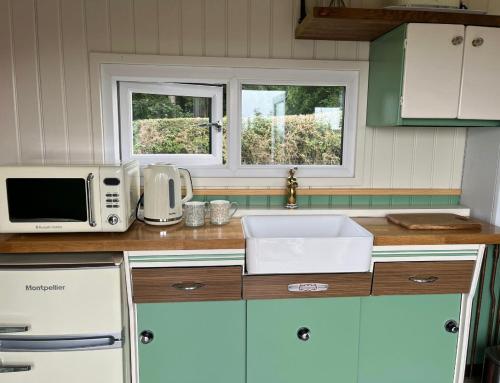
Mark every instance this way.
x=405 y=44
x=401 y=101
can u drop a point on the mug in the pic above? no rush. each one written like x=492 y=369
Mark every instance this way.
x=219 y=211
x=194 y=213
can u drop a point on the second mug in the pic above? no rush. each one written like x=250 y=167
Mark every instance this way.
x=220 y=213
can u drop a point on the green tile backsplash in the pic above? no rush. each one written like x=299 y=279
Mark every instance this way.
x=337 y=201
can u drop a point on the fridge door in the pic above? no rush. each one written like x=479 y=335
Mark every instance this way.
x=60 y=302
x=96 y=366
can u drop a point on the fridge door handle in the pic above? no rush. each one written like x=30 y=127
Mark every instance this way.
x=44 y=344
x=7 y=369
x=13 y=328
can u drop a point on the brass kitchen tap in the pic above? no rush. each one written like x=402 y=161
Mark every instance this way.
x=291 y=188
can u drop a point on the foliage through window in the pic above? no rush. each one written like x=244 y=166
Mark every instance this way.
x=292 y=124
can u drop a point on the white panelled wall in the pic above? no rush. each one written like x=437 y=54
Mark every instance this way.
x=45 y=109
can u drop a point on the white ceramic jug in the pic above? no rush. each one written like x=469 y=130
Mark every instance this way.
x=162 y=193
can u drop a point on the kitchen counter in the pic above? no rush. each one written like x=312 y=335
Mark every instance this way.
x=177 y=237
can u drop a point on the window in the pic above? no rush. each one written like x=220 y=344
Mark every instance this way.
x=178 y=123
x=225 y=117
x=291 y=125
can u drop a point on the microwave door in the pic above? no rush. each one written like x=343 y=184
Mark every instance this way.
x=51 y=204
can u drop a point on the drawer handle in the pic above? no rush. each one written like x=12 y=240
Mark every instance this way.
x=307 y=287
x=188 y=286
x=418 y=279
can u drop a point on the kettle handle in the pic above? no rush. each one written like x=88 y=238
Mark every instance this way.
x=184 y=173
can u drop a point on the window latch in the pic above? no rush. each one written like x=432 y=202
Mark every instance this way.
x=216 y=125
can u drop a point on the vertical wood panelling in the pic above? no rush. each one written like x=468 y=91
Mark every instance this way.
x=98 y=25
x=215 y=28
x=193 y=27
x=443 y=157
x=51 y=82
x=146 y=26
x=75 y=52
x=44 y=76
x=9 y=144
x=403 y=165
x=260 y=28
x=121 y=17
x=27 y=80
x=458 y=157
x=237 y=28
x=169 y=24
x=423 y=161
x=383 y=157
x=301 y=49
x=281 y=36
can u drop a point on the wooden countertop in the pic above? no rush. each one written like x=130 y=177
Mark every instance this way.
x=230 y=236
x=389 y=234
x=139 y=237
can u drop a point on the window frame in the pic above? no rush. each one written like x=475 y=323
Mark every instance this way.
x=215 y=93
x=108 y=69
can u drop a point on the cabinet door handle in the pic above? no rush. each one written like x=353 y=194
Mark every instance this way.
x=7 y=369
x=188 y=286
x=146 y=337
x=419 y=279
x=477 y=42
x=457 y=40
x=304 y=334
x=13 y=328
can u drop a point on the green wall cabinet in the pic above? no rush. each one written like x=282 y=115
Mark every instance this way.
x=403 y=339
x=194 y=342
x=434 y=75
x=277 y=354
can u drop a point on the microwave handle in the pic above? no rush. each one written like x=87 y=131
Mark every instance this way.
x=90 y=199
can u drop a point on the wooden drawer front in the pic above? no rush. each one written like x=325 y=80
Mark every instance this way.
x=422 y=277
x=306 y=285
x=186 y=284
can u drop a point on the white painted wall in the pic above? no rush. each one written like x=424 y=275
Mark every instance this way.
x=45 y=108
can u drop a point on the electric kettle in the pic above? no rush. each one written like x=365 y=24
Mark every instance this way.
x=162 y=193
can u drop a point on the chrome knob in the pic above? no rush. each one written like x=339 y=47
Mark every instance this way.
x=457 y=40
x=451 y=326
x=304 y=334
x=113 y=219
x=146 y=337
x=477 y=42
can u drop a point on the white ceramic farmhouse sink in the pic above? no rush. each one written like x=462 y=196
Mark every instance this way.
x=278 y=244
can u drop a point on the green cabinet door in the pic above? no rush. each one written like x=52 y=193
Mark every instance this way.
x=275 y=354
x=194 y=342
x=403 y=339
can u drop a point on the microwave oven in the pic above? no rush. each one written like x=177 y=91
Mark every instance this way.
x=68 y=198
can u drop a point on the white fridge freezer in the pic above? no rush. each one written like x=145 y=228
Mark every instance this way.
x=481 y=177
x=61 y=319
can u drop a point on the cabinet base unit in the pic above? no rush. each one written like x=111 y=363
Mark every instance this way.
x=409 y=338
x=191 y=342
x=303 y=340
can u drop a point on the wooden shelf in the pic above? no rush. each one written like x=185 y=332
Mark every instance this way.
x=362 y=24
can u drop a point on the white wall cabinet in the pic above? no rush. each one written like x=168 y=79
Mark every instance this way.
x=433 y=70
x=480 y=90
x=451 y=71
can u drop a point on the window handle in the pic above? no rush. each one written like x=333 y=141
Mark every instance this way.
x=216 y=125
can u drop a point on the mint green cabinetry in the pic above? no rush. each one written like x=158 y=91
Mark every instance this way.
x=275 y=354
x=194 y=342
x=403 y=339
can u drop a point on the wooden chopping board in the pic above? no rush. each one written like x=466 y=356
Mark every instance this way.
x=434 y=221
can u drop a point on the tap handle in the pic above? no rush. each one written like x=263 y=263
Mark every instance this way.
x=291 y=172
